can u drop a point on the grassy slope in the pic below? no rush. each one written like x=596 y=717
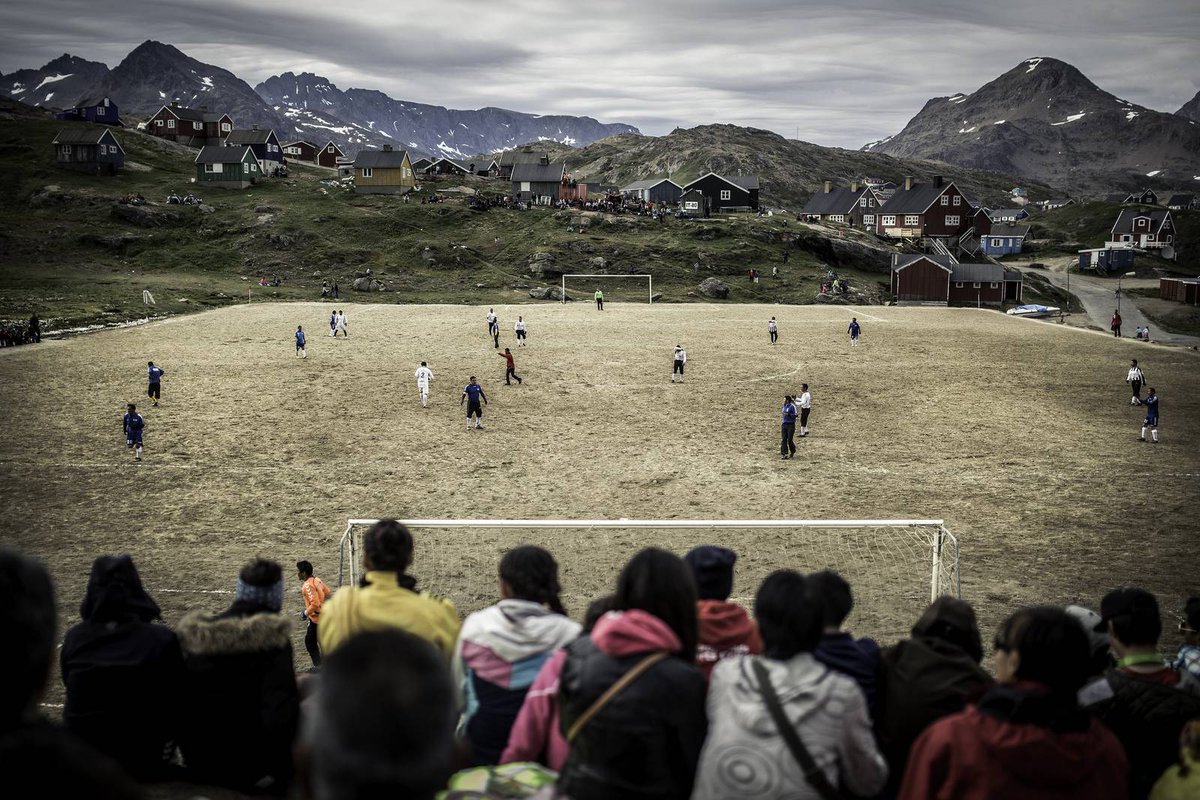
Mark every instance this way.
x=1071 y=228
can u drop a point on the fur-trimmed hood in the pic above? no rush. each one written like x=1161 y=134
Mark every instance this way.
x=205 y=635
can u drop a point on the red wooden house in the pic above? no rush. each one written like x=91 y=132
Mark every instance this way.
x=329 y=155
x=942 y=280
x=937 y=209
x=196 y=127
x=300 y=151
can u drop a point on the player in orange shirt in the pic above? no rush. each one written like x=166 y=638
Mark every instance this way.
x=315 y=594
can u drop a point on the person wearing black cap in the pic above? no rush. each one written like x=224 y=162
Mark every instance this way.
x=1144 y=702
x=725 y=628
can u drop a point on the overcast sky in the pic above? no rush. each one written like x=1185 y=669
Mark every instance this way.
x=834 y=72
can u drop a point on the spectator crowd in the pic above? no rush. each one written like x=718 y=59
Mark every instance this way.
x=666 y=690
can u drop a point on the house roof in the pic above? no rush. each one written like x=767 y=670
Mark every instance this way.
x=990 y=273
x=916 y=200
x=97 y=100
x=219 y=154
x=1124 y=223
x=1116 y=197
x=648 y=183
x=335 y=147
x=456 y=163
x=421 y=163
x=300 y=141
x=480 y=161
x=1059 y=201
x=743 y=182
x=249 y=136
x=1181 y=200
x=85 y=136
x=1001 y=213
x=1014 y=275
x=539 y=173
x=183 y=112
x=380 y=159
x=522 y=156
x=838 y=201
x=1009 y=229
x=945 y=262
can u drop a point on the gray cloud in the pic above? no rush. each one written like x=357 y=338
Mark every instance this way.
x=839 y=72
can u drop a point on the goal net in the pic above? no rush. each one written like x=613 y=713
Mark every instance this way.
x=894 y=567
x=616 y=288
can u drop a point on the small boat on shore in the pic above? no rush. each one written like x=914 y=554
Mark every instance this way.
x=1034 y=310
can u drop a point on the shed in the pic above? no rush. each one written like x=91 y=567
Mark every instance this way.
x=227 y=167
x=734 y=193
x=1181 y=290
x=1004 y=238
x=1106 y=259
x=654 y=190
x=921 y=278
x=693 y=204
x=88 y=149
x=984 y=284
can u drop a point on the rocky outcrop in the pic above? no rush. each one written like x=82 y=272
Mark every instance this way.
x=712 y=287
x=143 y=216
x=365 y=284
x=543 y=265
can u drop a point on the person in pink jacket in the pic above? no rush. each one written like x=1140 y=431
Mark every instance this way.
x=536 y=735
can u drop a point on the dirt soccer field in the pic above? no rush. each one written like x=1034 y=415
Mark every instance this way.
x=1018 y=433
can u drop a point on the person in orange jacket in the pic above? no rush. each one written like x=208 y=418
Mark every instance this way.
x=315 y=594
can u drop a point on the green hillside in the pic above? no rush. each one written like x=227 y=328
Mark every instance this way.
x=1066 y=230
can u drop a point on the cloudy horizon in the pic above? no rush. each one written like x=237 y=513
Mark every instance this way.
x=835 y=73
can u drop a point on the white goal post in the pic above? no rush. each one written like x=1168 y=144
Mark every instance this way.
x=649 y=283
x=895 y=566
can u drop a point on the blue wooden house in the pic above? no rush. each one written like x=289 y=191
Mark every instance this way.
x=1006 y=238
x=262 y=142
x=101 y=110
x=92 y=150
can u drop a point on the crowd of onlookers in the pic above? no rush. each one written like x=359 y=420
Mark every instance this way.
x=666 y=690
x=15 y=333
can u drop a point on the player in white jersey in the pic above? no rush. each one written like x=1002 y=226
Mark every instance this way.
x=773 y=329
x=805 y=404
x=424 y=376
x=519 y=327
x=678 y=363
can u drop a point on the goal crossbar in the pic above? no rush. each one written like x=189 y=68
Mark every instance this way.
x=649 y=285
x=346 y=545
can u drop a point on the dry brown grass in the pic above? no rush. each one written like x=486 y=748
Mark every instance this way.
x=1018 y=434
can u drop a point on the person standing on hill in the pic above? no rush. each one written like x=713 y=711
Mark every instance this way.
x=773 y=329
x=473 y=393
x=511 y=372
x=154 y=392
x=787 y=431
x=133 y=424
x=1135 y=379
x=300 y=339
x=1151 y=420
x=855 y=330
x=424 y=376
x=315 y=593
x=599 y=300
x=680 y=361
x=805 y=407
x=342 y=324
x=519 y=328
x=1115 y=324
x=333 y=317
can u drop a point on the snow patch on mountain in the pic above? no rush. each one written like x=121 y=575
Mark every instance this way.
x=52 y=79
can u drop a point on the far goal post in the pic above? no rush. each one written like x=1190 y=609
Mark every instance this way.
x=895 y=567
x=648 y=278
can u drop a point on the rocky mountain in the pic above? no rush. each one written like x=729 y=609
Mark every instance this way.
x=58 y=84
x=317 y=108
x=1045 y=120
x=156 y=74
x=1191 y=109
x=789 y=171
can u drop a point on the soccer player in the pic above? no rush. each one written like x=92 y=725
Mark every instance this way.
x=133 y=424
x=300 y=339
x=787 y=433
x=599 y=300
x=424 y=376
x=1135 y=379
x=315 y=593
x=854 y=330
x=680 y=360
x=473 y=393
x=333 y=315
x=1151 y=420
x=342 y=324
x=493 y=323
x=520 y=330
x=805 y=407
x=511 y=372
x=155 y=374
x=773 y=329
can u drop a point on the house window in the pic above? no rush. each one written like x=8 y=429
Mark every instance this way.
x=329 y=149
x=995 y=242
x=993 y=285
x=911 y=220
x=868 y=219
x=254 y=166
x=725 y=194
x=525 y=186
x=958 y=200
x=1150 y=237
x=953 y=220
x=871 y=202
x=1125 y=237
x=975 y=285
x=226 y=127
x=170 y=123
x=406 y=172
x=100 y=111
x=158 y=123
x=212 y=167
x=862 y=202
x=945 y=199
x=888 y=220
x=66 y=149
x=958 y=284
x=837 y=217
x=1142 y=222
x=1169 y=238
x=366 y=172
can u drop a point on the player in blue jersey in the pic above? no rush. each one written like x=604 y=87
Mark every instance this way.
x=472 y=394
x=133 y=424
x=787 y=431
x=1151 y=420
x=155 y=374
x=300 y=339
x=854 y=330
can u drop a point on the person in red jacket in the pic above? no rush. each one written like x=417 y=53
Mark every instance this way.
x=725 y=628
x=1027 y=736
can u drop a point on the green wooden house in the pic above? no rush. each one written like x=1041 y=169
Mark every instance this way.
x=227 y=167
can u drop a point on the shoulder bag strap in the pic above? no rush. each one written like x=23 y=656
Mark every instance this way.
x=612 y=691
x=812 y=773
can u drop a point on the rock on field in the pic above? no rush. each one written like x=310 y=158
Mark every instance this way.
x=711 y=287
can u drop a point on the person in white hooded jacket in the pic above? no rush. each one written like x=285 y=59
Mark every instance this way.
x=745 y=755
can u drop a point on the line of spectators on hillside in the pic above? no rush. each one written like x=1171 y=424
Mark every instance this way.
x=666 y=690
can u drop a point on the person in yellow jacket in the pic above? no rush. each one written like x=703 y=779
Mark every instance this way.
x=1182 y=781
x=387 y=597
x=315 y=593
